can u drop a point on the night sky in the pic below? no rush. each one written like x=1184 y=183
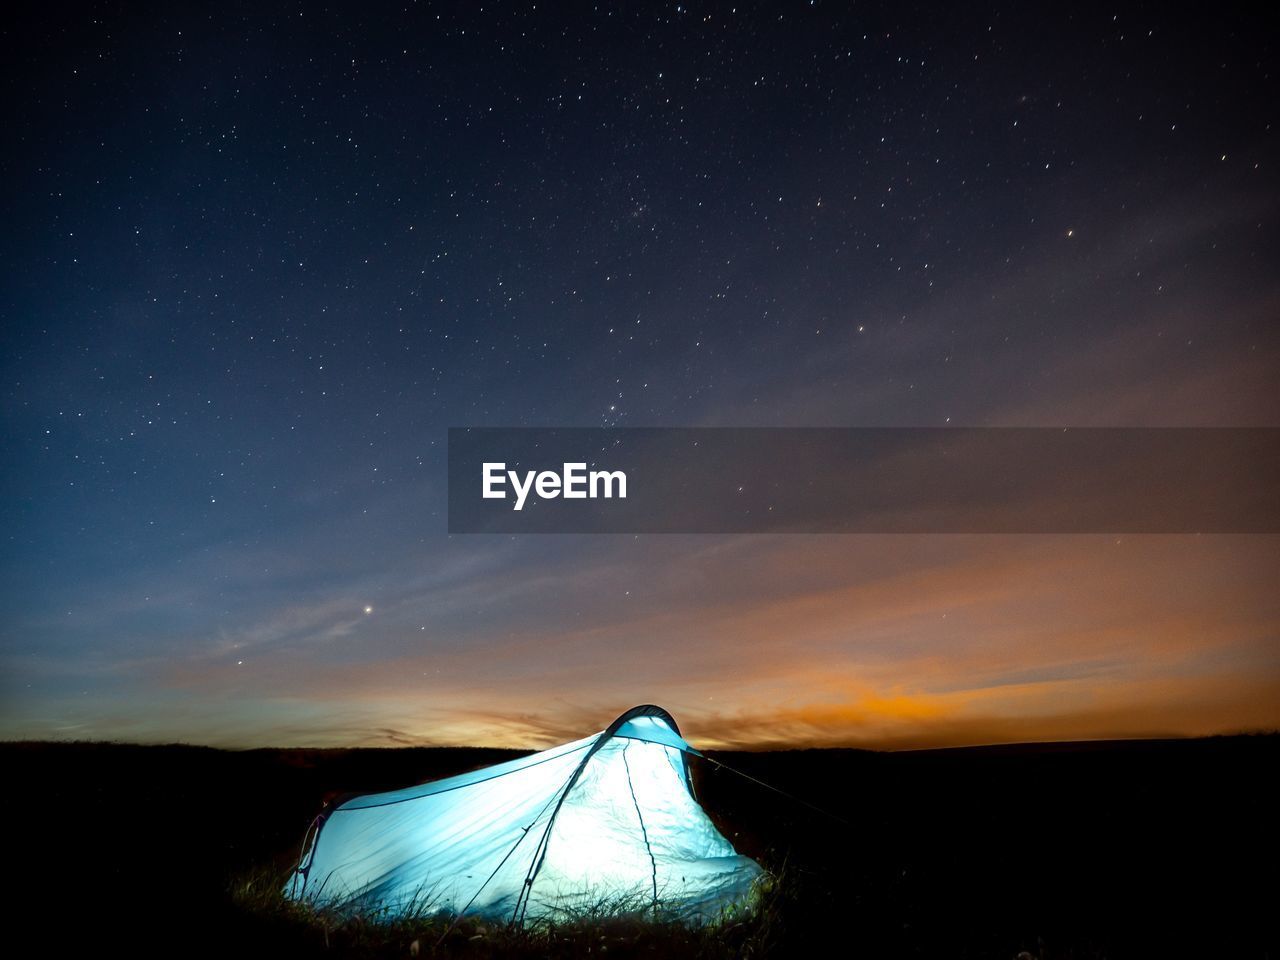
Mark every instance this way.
x=257 y=261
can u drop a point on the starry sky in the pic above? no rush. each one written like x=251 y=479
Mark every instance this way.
x=260 y=259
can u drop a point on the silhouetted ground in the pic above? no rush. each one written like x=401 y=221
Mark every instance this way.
x=1121 y=849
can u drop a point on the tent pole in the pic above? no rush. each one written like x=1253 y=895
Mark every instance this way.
x=519 y=840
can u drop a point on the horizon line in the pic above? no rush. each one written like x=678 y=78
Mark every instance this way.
x=769 y=748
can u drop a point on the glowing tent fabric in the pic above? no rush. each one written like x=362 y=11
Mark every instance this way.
x=604 y=825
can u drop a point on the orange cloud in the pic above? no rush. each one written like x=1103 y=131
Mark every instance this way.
x=870 y=641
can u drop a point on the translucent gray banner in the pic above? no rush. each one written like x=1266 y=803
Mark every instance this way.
x=864 y=480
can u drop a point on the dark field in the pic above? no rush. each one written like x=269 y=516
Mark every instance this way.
x=1124 y=849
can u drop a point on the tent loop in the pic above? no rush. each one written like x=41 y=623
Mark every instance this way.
x=309 y=839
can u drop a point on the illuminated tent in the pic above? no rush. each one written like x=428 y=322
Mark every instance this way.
x=604 y=825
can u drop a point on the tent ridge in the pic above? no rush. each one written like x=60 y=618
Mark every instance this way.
x=435 y=793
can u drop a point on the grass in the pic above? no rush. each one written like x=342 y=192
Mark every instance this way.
x=612 y=929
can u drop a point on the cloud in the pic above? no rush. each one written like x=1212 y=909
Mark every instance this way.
x=879 y=641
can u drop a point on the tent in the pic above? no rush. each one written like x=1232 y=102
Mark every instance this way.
x=601 y=826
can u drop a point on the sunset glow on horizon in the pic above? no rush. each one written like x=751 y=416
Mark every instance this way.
x=752 y=642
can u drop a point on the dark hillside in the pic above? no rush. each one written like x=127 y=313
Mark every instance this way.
x=1123 y=849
